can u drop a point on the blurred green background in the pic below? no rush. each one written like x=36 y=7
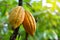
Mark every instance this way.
x=46 y=13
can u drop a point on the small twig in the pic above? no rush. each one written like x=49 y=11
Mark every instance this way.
x=26 y=38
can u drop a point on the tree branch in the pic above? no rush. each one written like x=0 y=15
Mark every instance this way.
x=14 y=35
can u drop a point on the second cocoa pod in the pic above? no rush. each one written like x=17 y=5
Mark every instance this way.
x=29 y=23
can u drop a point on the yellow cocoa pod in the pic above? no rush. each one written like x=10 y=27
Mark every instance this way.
x=29 y=23
x=16 y=16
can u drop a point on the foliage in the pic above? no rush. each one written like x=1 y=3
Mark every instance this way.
x=47 y=16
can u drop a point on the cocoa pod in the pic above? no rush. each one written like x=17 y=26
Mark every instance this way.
x=29 y=23
x=16 y=16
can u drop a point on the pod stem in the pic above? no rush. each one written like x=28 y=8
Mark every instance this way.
x=20 y=2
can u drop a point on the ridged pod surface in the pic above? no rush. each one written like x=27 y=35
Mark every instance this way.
x=29 y=23
x=16 y=16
